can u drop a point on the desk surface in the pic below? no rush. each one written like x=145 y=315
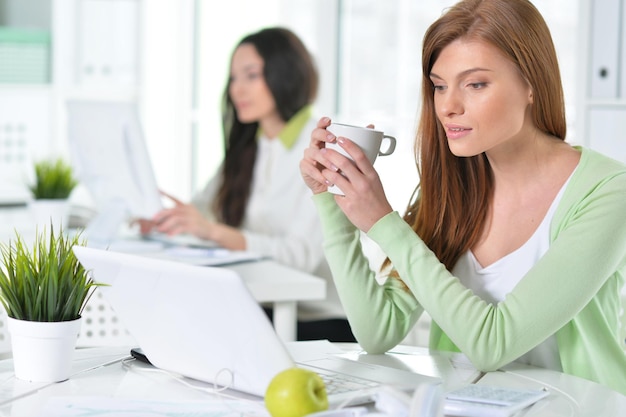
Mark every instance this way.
x=105 y=379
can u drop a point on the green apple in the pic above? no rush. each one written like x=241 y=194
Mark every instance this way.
x=296 y=392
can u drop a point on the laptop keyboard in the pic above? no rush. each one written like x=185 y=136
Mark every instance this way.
x=341 y=383
x=496 y=395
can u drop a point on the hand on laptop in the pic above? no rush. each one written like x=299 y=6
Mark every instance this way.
x=181 y=218
x=186 y=218
x=145 y=226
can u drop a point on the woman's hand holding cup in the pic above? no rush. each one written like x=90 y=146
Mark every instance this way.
x=349 y=166
x=368 y=140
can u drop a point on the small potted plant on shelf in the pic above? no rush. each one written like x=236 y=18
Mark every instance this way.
x=43 y=289
x=54 y=182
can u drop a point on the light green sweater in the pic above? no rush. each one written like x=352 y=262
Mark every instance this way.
x=573 y=290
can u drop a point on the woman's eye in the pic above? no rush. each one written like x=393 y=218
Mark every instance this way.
x=477 y=86
x=439 y=87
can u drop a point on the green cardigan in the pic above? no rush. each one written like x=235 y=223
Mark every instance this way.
x=573 y=291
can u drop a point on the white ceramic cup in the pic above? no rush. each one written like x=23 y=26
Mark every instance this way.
x=369 y=140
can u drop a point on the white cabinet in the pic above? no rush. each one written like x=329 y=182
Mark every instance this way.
x=604 y=48
x=107 y=43
x=601 y=108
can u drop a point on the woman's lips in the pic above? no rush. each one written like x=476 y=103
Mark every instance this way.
x=456 y=132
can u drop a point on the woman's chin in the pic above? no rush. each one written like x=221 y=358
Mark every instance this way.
x=247 y=118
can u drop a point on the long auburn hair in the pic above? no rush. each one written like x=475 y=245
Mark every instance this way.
x=448 y=208
x=291 y=76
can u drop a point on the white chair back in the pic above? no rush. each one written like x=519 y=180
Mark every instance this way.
x=5 y=340
x=101 y=327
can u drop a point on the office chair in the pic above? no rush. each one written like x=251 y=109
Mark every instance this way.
x=101 y=327
x=5 y=340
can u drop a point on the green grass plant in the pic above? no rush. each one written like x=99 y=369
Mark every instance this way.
x=45 y=282
x=54 y=179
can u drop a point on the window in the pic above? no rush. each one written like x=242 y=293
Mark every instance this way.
x=220 y=27
x=369 y=56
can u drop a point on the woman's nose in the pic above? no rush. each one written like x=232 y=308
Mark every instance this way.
x=450 y=103
x=235 y=88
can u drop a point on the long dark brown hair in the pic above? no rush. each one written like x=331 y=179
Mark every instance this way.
x=449 y=207
x=291 y=76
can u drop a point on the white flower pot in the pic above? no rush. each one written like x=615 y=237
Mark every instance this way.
x=50 y=211
x=43 y=351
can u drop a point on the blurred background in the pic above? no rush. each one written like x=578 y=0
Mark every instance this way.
x=171 y=57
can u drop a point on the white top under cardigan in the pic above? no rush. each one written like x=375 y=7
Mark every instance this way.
x=281 y=221
x=492 y=283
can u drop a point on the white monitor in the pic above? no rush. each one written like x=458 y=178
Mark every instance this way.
x=111 y=159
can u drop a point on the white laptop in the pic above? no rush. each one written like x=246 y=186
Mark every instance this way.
x=203 y=323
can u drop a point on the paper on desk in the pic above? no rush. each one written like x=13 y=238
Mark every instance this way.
x=185 y=254
x=207 y=256
x=125 y=407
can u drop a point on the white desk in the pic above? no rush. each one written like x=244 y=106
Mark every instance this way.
x=267 y=280
x=100 y=377
x=272 y=282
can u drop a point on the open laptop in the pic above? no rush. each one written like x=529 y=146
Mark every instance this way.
x=203 y=323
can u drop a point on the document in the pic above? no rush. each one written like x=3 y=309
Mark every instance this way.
x=124 y=407
x=208 y=256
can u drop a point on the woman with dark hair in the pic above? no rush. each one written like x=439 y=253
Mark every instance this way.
x=514 y=240
x=256 y=201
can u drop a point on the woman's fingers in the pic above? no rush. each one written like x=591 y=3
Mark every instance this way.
x=311 y=171
x=313 y=161
x=348 y=173
x=171 y=197
x=356 y=163
x=320 y=135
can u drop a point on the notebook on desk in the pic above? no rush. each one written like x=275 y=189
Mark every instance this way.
x=203 y=323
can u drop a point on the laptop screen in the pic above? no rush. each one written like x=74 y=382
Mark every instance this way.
x=201 y=322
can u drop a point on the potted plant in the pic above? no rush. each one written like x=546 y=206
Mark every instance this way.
x=43 y=289
x=54 y=182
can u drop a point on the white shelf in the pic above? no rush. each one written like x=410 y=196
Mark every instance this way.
x=10 y=88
